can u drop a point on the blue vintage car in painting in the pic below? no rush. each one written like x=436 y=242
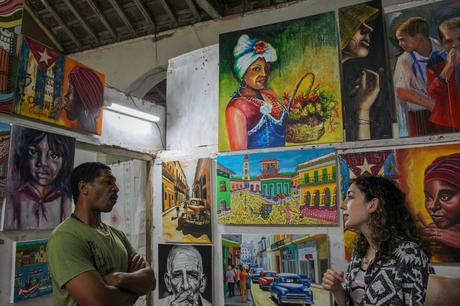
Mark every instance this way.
x=289 y=288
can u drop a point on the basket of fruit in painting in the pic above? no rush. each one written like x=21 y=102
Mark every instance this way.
x=308 y=111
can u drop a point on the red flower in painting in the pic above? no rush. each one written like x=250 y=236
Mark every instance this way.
x=260 y=47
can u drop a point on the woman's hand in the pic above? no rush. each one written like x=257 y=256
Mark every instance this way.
x=332 y=281
x=366 y=90
x=449 y=237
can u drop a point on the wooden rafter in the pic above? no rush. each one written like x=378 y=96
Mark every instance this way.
x=101 y=17
x=168 y=11
x=81 y=20
x=208 y=8
x=45 y=30
x=122 y=15
x=145 y=12
x=193 y=8
x=61 y=23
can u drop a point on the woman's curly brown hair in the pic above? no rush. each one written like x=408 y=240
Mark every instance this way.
x=391 y=222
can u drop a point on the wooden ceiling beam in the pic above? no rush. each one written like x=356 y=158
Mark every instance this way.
x=169 y=11
x=102 y=18
x=81 y=20
x=122 y=15
x=145 y=12
x=208 y=8
x=193 y=8
x=61 y=23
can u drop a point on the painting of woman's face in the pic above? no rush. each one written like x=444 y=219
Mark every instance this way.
x=360 y=42
x=442 y=201
x=69 y=104
x=257 y=74
x=43 y=162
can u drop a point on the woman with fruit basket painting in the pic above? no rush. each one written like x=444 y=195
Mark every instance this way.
x=254 y=116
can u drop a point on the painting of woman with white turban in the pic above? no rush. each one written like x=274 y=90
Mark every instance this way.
x=279 y=85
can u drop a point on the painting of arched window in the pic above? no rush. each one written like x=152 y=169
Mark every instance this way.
x=334 y=198
x=223 y=186
x=327 y=197
x=308 y=198
x=252 y=187
x=317 y=197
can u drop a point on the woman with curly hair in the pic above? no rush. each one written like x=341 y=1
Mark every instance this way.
x=390 y=264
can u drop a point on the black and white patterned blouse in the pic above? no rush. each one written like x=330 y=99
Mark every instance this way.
x=401 y=280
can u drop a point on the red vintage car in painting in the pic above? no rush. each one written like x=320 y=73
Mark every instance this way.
x=266 y=279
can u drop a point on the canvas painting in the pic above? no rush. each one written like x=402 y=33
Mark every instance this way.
x=186 y=187
x=430 y=178
x=275 y=269
x=11 y=12
x=5 y=134
x=30 y=277
x=291 y=187
x=279 y=85
x=185 y=275
x=352 y=165
x=58 y=90
x=366 y=91
x=38 y=188
x=425 y=63
x=10 y=43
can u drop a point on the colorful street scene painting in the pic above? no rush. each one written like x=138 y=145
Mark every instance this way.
x=38 y=194
x=352 y=165
x=279 y=85
x=278 y=269
x=425 y=66
x=58 y=90
x=291 y=187
x=366 y=90
x=186 y=193
x=11 y=12
x=430 y=178
x=10 y=44
x=30 y=277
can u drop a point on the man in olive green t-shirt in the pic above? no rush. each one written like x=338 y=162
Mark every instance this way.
x=92 y=263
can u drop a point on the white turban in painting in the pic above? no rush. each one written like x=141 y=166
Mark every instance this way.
x=248 y=50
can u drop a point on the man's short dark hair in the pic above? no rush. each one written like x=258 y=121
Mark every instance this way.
x=86 y=172
x=414 y=26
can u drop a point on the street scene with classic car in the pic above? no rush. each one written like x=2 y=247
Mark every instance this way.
x=186 y=195
x=279 y=269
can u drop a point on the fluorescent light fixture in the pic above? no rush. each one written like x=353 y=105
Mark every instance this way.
x=132 y=112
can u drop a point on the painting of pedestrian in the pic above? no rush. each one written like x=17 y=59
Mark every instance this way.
x=275 y=269
x=292 y=187
x=38 y=191
x=366 y=92
x=186 y=193
x=279 y=85
x=423 y=43
x=185 y=275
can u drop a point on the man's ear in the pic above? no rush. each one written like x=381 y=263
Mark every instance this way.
x=373 y=205
x=83 y=187
x=203 y=283
x=168 y=282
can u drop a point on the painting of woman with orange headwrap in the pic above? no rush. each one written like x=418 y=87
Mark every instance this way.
x=83 y=95
x=430 y=178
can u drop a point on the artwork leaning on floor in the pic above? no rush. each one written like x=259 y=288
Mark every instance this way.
x=278 y=268
x=187 y=200
x=291 y=187
x=185 y=274
x=38 y=192
x=430 y=178
x=366 y=90
x=30 y=276
x=425 y=67
x=279 y=85
x=352 y=165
